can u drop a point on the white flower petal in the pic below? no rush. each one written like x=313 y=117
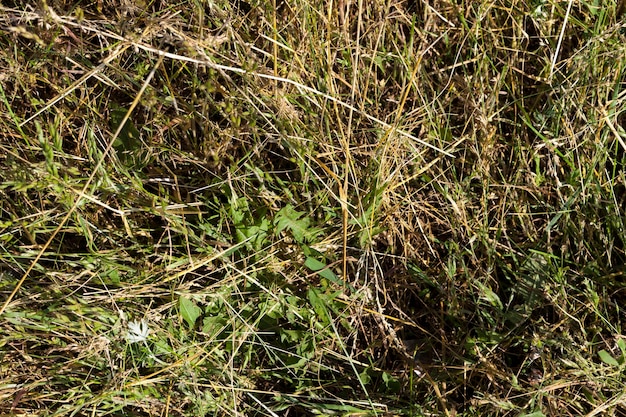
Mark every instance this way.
x=137 y=331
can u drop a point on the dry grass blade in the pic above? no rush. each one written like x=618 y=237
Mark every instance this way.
x=83 y=192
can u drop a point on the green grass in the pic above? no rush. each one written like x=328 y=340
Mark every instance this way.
x=312 y=208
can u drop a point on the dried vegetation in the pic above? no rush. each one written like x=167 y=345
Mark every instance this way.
x=280 y=207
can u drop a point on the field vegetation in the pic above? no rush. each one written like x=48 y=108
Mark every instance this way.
x=307 y=207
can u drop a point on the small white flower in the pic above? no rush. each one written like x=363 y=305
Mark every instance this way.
x=137 y=331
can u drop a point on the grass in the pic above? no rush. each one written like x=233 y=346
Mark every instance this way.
x=312 y=208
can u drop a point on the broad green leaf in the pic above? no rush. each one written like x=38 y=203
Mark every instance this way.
x=321 y=268
x=114 y=275
x=288 y=218
x=214 y=325
x=189 y=310
x=607 y=358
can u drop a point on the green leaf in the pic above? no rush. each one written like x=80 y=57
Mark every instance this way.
x=392 y=383
x=290 y=219
x=114 y=276
x=490 y=296
x=129 y=137
x=364 y=377
x=607 y=358
x=319 y=305
x=257 y=233
x=214 y=325
x=622 y=345
x=189 y=310
x=322 y=269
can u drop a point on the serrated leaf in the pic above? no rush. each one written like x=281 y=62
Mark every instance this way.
x=607 y=358
x=189 y=310
x=292 y=220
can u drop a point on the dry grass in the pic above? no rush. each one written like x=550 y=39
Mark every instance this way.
x=350 y=208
